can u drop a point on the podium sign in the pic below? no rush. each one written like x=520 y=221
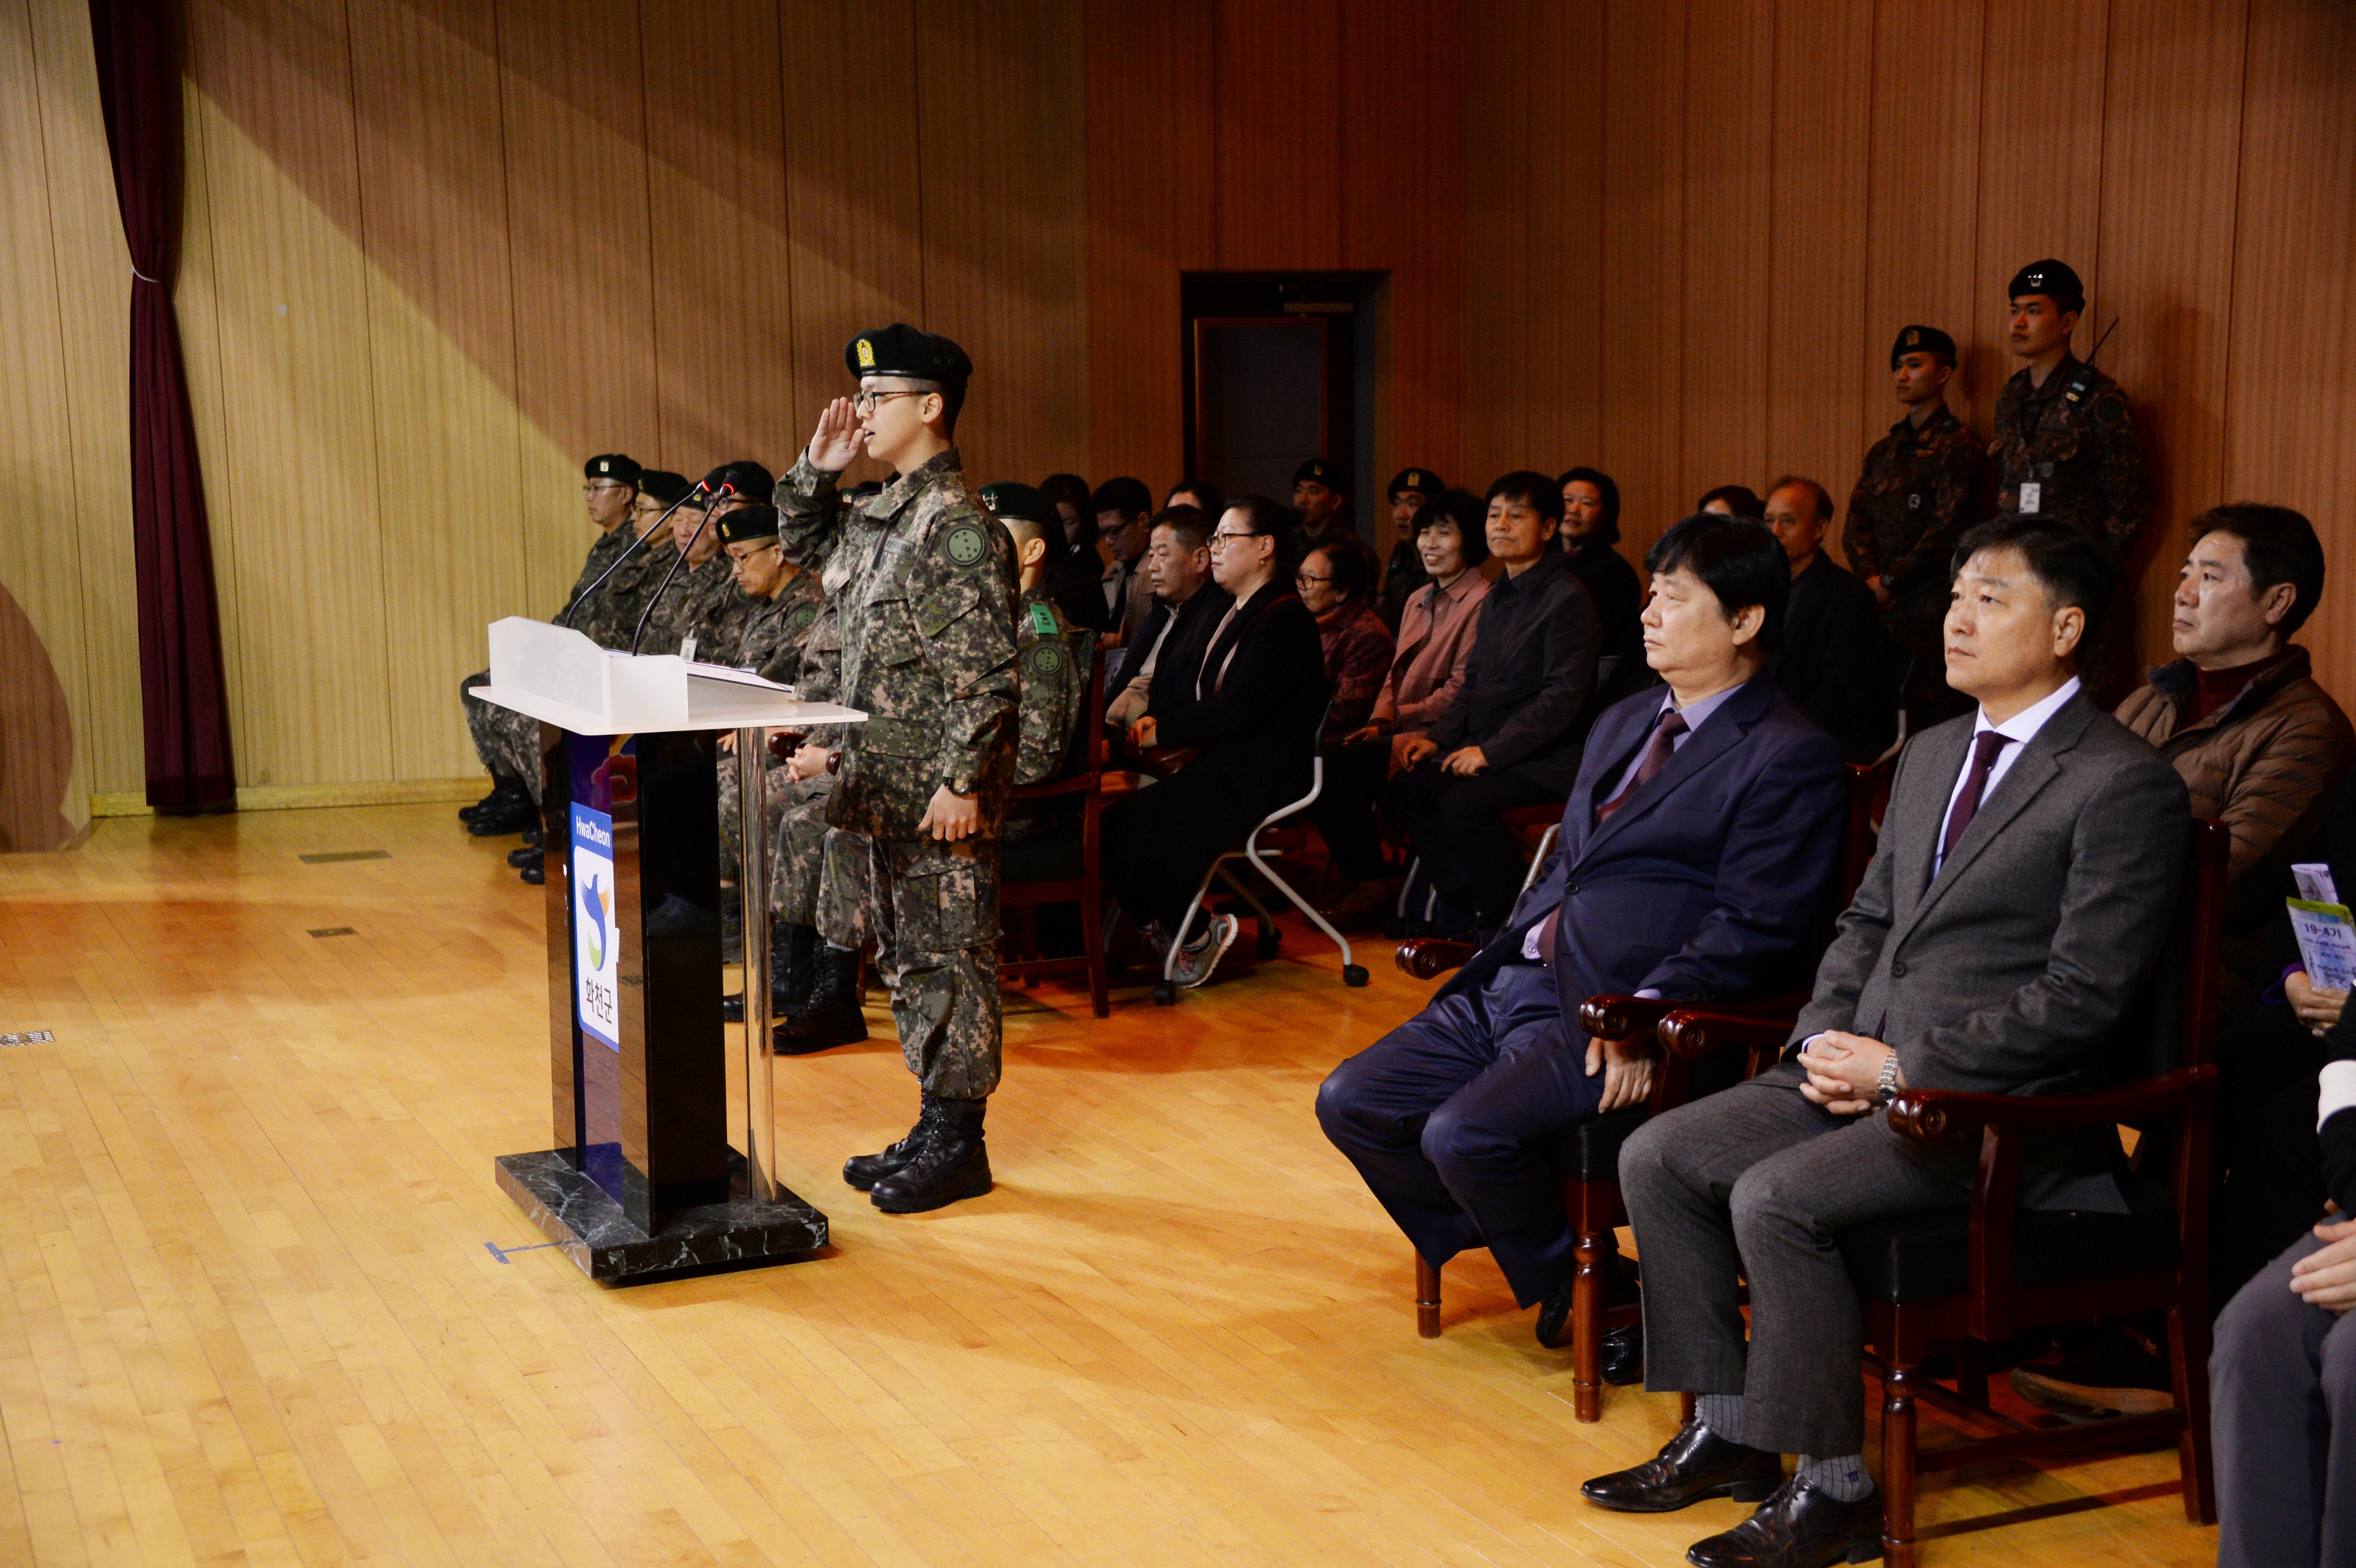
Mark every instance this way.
x=642 y=1181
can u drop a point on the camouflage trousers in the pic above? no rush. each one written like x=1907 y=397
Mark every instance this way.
x=932 y=911
x=731 y=820
x=798 y=853
x=507 y=741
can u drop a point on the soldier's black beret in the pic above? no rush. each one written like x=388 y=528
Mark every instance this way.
x=900 y=349
x=1317 y=471
x=1422 y=481
x=611 y=465
x=739 y=524
x=1921 y=340
x=1021 y=503
x=2054 y=280
x=662 y=485
x=744 y=478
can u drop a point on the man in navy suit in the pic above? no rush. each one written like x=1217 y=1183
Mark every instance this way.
x=1699 y=858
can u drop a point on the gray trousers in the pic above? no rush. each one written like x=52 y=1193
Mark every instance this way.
x=1757 y=1184
x=2282 y=1386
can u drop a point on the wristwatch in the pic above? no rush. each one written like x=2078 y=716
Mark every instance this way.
x=1885 y=1090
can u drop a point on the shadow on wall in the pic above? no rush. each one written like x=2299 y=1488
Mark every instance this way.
x=35 y=737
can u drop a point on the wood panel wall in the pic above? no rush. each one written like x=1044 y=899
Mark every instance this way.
x=1727 y=209
x=437 y=253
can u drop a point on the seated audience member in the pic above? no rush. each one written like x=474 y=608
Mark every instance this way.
x=1155 y=671
x=1412 y=490
x=1590 y=533
x=1254 y=699
x=1701 y=856
x=1121 y=507
x=2282 y=1376
x=1201 y=494
x=1075 y=578
x=1831 y=664
x=2015 y=906
x=1511 y=737
x=1732 y=501
x=2262 y=749
x=1333 y=585
x=1427 y=670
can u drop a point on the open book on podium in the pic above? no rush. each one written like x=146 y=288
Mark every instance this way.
x=643 y=1182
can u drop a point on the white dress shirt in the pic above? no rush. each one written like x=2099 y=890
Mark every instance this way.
x=2020 y=729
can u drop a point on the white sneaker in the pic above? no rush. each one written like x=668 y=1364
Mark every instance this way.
x=1196 y=960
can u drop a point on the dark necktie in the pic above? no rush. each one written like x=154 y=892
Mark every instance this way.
x=1664 y=746
x=1984 y=747
x=1657 y=752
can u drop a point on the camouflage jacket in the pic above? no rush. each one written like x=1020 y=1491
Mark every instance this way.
x=594 y=618
x=1921 y=489
x=923 y=581
x=770 y=635
x=2074 y=439
x=699 y=602
x=1055 y=659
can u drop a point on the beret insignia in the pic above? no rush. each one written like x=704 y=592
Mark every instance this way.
x=964 y=545
x=866 y=355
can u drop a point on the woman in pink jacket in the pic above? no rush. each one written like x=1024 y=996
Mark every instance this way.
x=1435 y=639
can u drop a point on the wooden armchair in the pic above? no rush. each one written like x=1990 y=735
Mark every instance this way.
x=1965 y=1282
x=1585 y=1155
x=1079 y=878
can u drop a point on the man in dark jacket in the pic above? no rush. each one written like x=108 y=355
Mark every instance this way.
x=1701 y=858
x=1590 y=537
x=1512 y=736
x=1833 y=663
x=1156 y=670
x=1257 y=695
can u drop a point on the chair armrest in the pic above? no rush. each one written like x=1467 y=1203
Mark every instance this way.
x=1622 y=1018
x=1078 y=783
x=1935 y=1115
x=1428 y=957
x=1760 y=1027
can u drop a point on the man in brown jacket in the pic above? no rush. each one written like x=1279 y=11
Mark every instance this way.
x=2262 y=748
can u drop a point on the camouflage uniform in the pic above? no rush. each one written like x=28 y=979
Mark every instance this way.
x=799 y=844
x=1922 y=487
x=703 y=603
x=507 y=742
x=769 y=637
x=1053 y=657
x=925 y=583
x=2075 y=440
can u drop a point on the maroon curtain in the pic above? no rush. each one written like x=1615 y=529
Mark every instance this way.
x=182 y=689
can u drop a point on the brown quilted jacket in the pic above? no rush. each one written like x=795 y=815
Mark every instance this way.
x=2267 y=764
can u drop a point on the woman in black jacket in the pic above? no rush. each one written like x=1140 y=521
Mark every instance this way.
x=1250 y=715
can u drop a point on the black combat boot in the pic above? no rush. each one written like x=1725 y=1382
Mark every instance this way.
x=832 y=1017
x=503 y=790
x=499 y=817
x=864 y=1170
x=952 y=1162
x=534 y=870
x=789 y=974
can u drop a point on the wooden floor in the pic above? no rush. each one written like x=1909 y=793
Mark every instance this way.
x=256 y=1310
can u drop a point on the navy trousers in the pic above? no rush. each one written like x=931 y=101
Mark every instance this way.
x=1448 y=1117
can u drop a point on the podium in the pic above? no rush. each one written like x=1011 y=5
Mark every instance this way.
x=642 y=1181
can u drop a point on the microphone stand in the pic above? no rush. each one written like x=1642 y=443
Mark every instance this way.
x=647 y=613
x=637 y=545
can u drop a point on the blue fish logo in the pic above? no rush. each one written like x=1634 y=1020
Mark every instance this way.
x=597 y=906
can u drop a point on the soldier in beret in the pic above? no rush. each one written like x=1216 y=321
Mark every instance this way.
x=508 y=742
x=926 y=583
x=1412 y=489
x=701 y=614
x=2066 y=444
x=1053 y=657
x=1923 y=483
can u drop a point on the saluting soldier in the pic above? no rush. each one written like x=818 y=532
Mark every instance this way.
x=1923 y=483
x=926 y=608
x=2065 y=442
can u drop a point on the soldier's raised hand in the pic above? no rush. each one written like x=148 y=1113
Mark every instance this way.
x=838 y=438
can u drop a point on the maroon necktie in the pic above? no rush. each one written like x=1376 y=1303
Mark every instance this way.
x=1657 y=752
x=1984 y=747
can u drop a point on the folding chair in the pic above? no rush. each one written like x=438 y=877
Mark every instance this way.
x=1165 y=990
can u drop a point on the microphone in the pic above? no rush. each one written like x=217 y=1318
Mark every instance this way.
x=638 y=544
x=718 y=496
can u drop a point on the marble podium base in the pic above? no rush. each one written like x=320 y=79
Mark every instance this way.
x=575 y=1213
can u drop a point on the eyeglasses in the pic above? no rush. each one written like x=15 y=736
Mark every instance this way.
x=1227 y=536
x=1302 y=580
x=597 y=484
x=864 y=402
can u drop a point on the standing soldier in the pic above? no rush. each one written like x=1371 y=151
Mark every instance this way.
x=2066 y=444
x=1923 y=485
x=1411 y=492
x=926 y=608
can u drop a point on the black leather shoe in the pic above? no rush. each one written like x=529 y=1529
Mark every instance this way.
x=501 y=818
x=503 y=792
x=864 y=1170
x=534 y=870
x=516 y=858
x=952 y=1162
x=1695 y=1465
x=1624 y=1356
x=1553 y=1313
x=1799 y=1526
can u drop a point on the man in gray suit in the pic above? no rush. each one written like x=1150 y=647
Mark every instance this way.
x=2028 y=866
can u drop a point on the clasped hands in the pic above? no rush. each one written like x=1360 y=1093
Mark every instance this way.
x=1465 y=759
x=1844 y=1072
